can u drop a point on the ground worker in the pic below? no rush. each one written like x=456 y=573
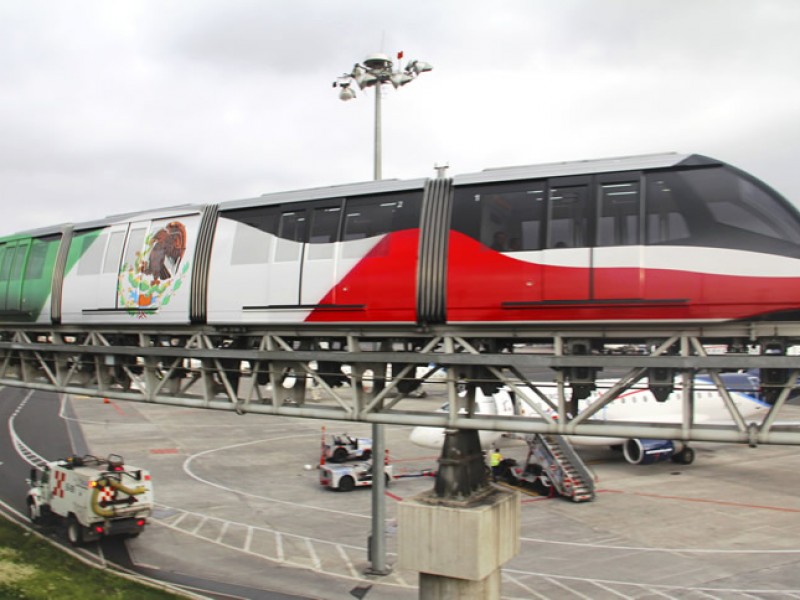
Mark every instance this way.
x=494 y=462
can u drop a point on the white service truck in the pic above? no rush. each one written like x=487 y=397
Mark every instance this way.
x=345 y=477
x=92 y=497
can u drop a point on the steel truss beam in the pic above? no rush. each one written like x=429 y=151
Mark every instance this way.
x=366 y=377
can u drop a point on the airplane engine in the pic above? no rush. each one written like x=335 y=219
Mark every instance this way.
x=647 y=452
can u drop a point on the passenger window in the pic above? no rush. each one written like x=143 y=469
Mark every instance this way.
x=134 y=247
x=664 y=220
x=291 y=235
x=36 y=260
x=254 y=235
x=568 y=217
x=92 y=247
x=114 y=252
x=372 y=216
x=503 y=217
x=324 y=232
x=250 y=246
x=618 y=224
x=6 y=254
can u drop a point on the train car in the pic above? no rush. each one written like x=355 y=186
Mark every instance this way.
x=27 y=263
x=661 y=238
x=133 y=267
x=657 y=239
x=338 y=254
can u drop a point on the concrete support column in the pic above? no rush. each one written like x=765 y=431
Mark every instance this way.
x=459 y=534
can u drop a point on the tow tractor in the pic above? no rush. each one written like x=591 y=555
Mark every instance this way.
x=92 y=497
x=346 y=477
x=342 y=447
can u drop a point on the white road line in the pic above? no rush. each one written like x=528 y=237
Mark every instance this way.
x=314 y=556
x=530 y=590
x=200 y=525
x=651 y=549
x=348 y=563
x=566 y=588
x=279 y=546
x=611 y=590
x=248 y=540
x=223 y=531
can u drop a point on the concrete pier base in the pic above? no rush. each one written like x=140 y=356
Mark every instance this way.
x=458 y=547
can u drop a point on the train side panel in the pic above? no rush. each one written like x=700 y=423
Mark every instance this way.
x=26 y=273
x=131 y=271
x=333 y=260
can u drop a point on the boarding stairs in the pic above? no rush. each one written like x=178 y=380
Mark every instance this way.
x=565 y=470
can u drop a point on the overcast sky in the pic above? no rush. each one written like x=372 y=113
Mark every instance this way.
x=112 y=106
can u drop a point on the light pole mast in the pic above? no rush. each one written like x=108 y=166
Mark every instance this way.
x=375 y=71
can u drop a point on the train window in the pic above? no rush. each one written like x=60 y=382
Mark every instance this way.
x=6 y=253
x=114 y=252
x=250 y=245
x=618 y=224
x=323 y=232
x=18 y=261
x=665 y=222
x=503 y=217
x=568 y=217
x=717 y=207
x=92 y=248
x=291 y=235
x=739 y=203
x=134 y=246
x=36 y=260
x=370 y=216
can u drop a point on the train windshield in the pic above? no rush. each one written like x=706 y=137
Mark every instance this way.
x=718 y=207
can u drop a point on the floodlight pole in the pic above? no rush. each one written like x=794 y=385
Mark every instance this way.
x=376 y=71
x=377 y=155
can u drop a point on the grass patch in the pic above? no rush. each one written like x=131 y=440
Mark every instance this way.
x=31 y=568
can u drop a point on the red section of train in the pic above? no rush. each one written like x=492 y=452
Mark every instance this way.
x=487 y=286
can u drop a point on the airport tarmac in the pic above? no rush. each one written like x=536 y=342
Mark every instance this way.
x=237 y=504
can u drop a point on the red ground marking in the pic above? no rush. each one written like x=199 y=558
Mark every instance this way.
x=115 y=405
x=394 y=496
x=704 y=501
x=163 y=450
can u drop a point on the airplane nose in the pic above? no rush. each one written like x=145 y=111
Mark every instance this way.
x=428 y=437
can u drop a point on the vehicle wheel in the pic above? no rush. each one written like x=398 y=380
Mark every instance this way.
x=367 y=454
x=346 y=484
x=685 y=456
x=33 y=513
x=339 y=455
x=74 y=531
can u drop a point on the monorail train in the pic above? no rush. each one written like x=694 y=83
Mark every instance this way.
x=661 y=238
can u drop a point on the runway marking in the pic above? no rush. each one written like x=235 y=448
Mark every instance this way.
x=187 y=469
x=550 y=579
x=223 y=530
x=528 y=589
x=25 y=452
x=314 y=556
x=348 y=563
x=705 y=501
x=653 y=549
x=248 y=540
x=279 y=546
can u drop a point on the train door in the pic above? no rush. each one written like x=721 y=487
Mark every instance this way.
x=619 y=253
x=128 y=282
x=106 y=266
x=287 y=262
x=319 y=272
x=18 y=258
x=566 y=272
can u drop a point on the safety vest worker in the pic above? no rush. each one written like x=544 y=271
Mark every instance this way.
x=495 y=459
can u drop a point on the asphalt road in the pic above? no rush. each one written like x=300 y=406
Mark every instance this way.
x=43 y=427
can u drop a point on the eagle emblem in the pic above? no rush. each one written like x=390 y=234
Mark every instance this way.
x=157 y=271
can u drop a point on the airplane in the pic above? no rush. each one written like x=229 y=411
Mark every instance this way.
x=637 y=404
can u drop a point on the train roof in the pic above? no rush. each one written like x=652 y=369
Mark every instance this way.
x=350 y=189
x=587 y=167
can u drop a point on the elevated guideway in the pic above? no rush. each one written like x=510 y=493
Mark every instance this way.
x=364 y=375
